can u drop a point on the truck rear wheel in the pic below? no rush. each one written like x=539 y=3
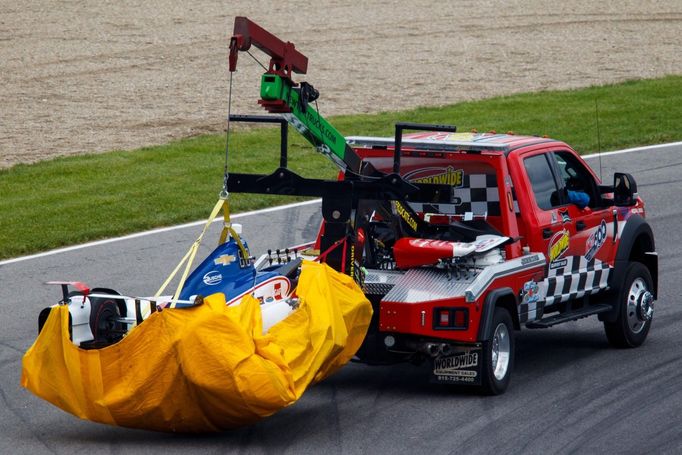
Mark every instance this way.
x=498 y=354
x=635 y=309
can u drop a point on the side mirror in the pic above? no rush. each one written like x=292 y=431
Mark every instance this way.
x=624 y=190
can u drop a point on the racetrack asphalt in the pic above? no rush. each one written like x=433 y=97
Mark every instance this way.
x=570 y=391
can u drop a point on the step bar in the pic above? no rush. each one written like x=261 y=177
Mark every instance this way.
x=570 y=316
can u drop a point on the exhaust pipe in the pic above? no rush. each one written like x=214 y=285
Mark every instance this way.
x=431 y=349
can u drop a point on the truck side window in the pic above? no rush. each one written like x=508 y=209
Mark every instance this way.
x=576 y=178
x=542 y=181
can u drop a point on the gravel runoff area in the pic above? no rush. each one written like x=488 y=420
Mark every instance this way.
x=83 y=76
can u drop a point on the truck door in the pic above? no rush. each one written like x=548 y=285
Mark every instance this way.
x=591 y=244
x=570 y=236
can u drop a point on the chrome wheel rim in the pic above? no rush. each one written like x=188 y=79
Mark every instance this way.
x=640 y=305
x=501 y=349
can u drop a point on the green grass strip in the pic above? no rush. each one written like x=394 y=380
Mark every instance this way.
x=76 y=199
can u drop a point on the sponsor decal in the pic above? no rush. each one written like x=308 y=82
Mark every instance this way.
x=225 y=259
x=441 y=245
x=315 y=121
x=558 y=264
x=624 y=213
x=212 y=278
x=530 y=292
x=443 y=136
x=447 y=365
x=554 y=219
x=489 y=243
x=464 y=137
x=461 y=367
x=558 y=245
x=565 y=218
x=405 y=215
x=436 y=175
x=355 y=269
x=595 y=241
x=528 y=259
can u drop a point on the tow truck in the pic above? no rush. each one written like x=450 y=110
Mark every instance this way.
x=460 y=239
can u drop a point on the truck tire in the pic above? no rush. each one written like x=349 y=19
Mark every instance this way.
x=498 y=354
x=635 y=304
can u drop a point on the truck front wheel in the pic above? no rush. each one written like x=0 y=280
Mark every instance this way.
x=498 y=354
x=635 y=309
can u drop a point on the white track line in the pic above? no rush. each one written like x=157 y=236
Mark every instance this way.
x=260 y=212
x=635 y=149
x=155 y=231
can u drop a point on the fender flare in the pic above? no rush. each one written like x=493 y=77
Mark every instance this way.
x=635 y=227
x=489 y=305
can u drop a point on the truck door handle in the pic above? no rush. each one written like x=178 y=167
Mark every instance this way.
x=580 y=225
x=547 y=233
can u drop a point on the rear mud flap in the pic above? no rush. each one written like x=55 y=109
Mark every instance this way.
x=462 y=365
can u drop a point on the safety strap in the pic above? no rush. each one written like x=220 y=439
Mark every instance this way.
x=227 y=228
x=190 y=255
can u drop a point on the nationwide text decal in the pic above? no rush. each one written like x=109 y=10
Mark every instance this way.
x=438 y=176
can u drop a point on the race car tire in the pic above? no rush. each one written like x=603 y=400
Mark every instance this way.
x=498 y=354
x=103 y=312
x=635 y=309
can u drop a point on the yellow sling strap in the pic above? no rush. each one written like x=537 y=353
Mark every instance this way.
x=190 y=255
x=227 y=228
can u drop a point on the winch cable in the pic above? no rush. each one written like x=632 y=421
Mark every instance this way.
x=226 y=176
x=223 y=204
x=224 y=194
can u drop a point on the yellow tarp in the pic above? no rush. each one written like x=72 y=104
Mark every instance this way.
x=206 y=368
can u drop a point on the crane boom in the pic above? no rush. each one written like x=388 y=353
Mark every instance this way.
x=281 y=94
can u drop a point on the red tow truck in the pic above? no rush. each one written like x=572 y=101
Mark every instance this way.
x=451 y=282
x=461 y=239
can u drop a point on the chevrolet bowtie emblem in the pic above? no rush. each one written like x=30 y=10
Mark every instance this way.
x=225 y=259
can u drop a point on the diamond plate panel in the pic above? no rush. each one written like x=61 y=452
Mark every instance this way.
x=420 y=285
x=380 y=282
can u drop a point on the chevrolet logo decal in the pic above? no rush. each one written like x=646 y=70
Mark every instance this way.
x=225 y=259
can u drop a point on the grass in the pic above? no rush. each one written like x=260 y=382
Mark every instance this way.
x=76 y=199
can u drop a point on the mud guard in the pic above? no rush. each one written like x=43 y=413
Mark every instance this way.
x=462 y=366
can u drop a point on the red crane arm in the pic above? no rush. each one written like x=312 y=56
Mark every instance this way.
x=284 y=58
